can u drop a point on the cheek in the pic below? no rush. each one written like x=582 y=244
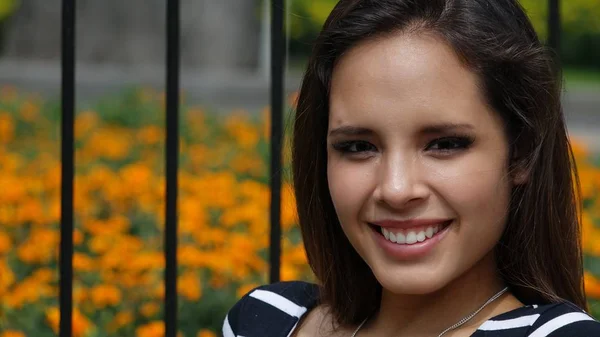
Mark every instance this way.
x=349 y=186
x=476 y=189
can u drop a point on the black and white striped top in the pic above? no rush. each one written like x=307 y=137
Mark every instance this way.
x=275 y=310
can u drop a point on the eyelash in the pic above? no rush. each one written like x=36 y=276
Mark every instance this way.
x=459 y=142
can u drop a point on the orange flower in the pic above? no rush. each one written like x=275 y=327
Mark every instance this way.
x=31 y=251
x=79 y=295
x=245 y=135
x=205 y=333
x=105 y=295
x=150 y=135
x=289 y=216
x=80 y=324
x=5 y=243
x=13 y=190
x=580 y=149
x=120 y=320
x=44 y=275
x=84 y=122
x=218 y=280
x=153 y=329
x=147 y=261
x=191 y=256
x=111 y=143
x=136 y=178
x=7 y=128
x=217 y=189
x=27 y=291
x=31 y=210
x=188 y=285
x=198 y=155
x=12 y=333
x=82 y=262
x=7 y=277
x=77 y=237
x=289 y=273
x=159 y=291
x=265 y=115
x=592 y=285
x=248 y=163
x=149 y=309
x=246 y=288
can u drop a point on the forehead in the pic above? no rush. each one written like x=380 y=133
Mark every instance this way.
x=401 y=78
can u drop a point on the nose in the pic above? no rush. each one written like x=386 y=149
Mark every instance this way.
x=401 y=182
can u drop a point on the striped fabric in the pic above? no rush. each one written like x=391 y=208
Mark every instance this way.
x=275 y=310
x=271 y=310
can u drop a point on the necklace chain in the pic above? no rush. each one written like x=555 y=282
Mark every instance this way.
x=457 y=324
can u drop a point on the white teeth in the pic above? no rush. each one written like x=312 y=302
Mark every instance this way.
x=400 y=238
x=413 y=236
x=428 y=232
x=392 y=237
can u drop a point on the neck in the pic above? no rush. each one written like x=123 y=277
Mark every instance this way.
x=430 y=314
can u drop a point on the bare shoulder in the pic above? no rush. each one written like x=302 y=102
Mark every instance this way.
x=318 y=323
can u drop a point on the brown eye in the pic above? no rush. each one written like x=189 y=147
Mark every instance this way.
x=354 y=147
x=448 y=144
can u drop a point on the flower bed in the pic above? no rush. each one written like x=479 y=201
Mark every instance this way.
x=119 y=210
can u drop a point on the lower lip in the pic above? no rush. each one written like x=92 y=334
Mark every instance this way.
x=409 y=252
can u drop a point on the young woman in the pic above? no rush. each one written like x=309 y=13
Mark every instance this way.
x=433 y=178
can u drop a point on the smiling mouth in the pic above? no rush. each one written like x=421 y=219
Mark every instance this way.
x=410 y=236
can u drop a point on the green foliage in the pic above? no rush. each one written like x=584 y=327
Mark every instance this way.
x=309 y=16
x=580 y=29
x=537 y=11
x=7 y=8
x=580 y=20
x=306 y=19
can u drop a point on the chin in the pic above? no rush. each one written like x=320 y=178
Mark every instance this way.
x=407 y=282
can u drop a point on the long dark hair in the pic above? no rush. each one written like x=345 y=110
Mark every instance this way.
x=539 y=254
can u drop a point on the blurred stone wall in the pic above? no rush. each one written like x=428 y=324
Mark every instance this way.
x=215 y=34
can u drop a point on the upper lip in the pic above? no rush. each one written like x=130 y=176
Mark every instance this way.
x=405 y=224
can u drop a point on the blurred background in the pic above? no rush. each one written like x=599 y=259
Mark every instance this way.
x=224 y=179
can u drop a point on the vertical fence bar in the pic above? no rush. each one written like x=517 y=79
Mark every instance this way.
x=67 y=170
x=277 y=67
x=172 y=164
x=554 y=25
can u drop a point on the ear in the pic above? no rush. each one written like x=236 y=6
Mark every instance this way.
x=520 y=176
x=519 y=171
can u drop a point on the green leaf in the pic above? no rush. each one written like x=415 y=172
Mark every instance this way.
x=7 y=8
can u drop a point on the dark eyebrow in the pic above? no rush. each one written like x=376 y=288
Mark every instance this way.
x=429 y=129
x=350 y=131
x=445 y=127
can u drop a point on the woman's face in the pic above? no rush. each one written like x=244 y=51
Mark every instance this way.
x=415 y=156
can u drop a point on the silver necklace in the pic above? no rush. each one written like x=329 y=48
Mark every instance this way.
x=457 y=324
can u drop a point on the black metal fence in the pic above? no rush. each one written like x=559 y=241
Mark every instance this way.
x=172 y=151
